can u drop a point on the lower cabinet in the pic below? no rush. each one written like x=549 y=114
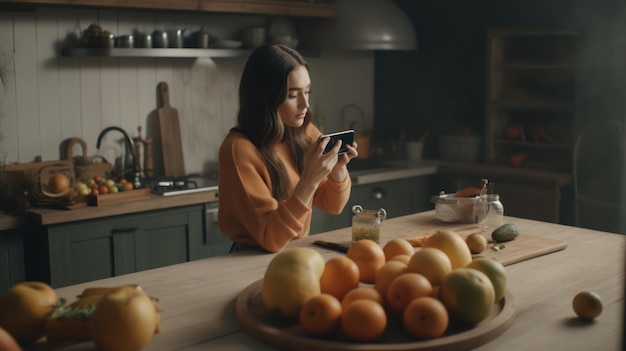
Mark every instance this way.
x=11 y=259
x=95 y=249
x=398 y=197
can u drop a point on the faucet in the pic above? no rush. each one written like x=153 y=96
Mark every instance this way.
x=135 y=175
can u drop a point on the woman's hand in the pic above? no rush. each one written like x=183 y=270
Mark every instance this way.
x=340 y=171
x=317 y=166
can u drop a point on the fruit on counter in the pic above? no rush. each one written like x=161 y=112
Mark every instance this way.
x=363 y=292
x=291 y=278
x=58 y=183
x=476 y=242
x=321 y=314
x=432 y=263
x=72 y=321
x=25 y=307
x=404 y=289
x=103 y=185
x=452 y=245
x=390 y=271
x=397 y=246
x=340 y=275
x=496 y=273
x=426 y=317
x=467 y=294
x=124 y=319
x=369 y=257
x=364 y=320
x=7 y=343
x=587 y=305
x=505 y=232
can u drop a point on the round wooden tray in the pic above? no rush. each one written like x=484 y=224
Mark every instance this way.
x=287 y=334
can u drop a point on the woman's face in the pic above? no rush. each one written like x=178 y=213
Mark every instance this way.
x=293 y=109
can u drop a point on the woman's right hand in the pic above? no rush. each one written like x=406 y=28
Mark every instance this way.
x=317 y=166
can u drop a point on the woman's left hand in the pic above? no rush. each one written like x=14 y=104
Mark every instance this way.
x=340 y=171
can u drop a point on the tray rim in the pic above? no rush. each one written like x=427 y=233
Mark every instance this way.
x=480 y=335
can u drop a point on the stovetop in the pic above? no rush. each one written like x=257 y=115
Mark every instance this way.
x=169 y=186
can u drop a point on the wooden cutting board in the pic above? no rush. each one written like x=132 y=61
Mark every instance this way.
x=171 y=145
x=524 y=247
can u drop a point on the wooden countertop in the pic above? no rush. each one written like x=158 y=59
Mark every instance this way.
x=198 y=298
x=45 y=216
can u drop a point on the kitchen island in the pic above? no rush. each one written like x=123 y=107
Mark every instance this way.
x=198 y=298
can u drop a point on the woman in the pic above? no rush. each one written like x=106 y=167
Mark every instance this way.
x=272 y=168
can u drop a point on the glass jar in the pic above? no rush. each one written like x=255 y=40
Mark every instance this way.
x=493 y=211
x=366 y=223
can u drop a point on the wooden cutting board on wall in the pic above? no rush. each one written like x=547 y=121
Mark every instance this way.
x=171 y=144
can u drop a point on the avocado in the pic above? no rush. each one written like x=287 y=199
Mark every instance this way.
x=505 y=232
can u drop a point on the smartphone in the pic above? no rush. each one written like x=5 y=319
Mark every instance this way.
x=346 y=137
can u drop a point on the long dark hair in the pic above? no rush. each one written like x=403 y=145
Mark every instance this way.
x=263 y=87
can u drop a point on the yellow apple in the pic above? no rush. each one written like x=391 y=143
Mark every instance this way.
x=124 y=319
x=25 y=307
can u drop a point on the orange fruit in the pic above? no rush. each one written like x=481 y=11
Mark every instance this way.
x=364 y=320
x=430 y=262
x=395 y=247
x=425 y=317
x=406 y=288
x=587 y=305
x=320 y=315
x=387 y=274
x=402 y=258
x=369 y=257
x=58 y=183
x=360 y=293
x=467 y=294
x=453 y=245
x=340 y=275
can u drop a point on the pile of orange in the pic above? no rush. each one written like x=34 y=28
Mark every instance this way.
x=365 y=291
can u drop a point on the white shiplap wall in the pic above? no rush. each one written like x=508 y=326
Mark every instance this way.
x=46 y=99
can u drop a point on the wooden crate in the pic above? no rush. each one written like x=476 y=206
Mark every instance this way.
x=121 y=197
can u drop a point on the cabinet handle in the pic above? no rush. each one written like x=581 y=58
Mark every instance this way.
x=124 y=230
x=377 y=193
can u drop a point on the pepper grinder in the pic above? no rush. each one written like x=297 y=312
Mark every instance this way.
x=147 y=154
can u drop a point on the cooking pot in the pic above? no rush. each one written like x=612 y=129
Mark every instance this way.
x=175 y=38
x=449 y=208
x=199 y=39
x=159 y=39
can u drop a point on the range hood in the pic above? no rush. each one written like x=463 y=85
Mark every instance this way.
x=367 y=25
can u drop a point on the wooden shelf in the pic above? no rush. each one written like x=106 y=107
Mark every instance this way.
x=160 y=52
x=531 y=77
x=165 y=52
x=300 y=8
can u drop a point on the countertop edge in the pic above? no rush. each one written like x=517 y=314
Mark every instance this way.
x=44 y=216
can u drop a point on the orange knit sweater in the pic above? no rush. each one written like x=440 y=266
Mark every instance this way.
x=248 y=213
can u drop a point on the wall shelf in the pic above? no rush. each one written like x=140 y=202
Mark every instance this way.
x=164 y=52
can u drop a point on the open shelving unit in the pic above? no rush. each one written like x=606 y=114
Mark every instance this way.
x=531 y=97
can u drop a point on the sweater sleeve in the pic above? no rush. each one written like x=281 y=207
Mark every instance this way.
x=247 y=209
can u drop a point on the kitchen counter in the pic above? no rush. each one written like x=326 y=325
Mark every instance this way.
x=47 y=216
x=198 y=298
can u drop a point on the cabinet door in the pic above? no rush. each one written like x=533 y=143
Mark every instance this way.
x=11 y=259
x=165 y=237
x=85 y=252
